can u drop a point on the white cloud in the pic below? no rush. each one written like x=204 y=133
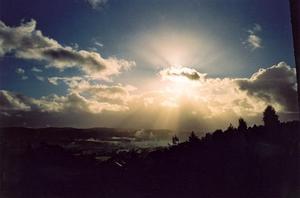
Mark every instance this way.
x=34 y=69
x=253 y=41
x=99 y=44
x=71 y=103
x=24 y=77
x=115 y=94
x=26 y=42
x=40 y=78
x=68 y=80
x=21 y=72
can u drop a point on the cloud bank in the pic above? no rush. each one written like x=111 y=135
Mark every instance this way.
x=203 y=103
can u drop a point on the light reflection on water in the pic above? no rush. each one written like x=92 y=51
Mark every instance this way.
x=102 y=150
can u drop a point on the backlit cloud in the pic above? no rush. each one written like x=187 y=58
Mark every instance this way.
x=276 y=84
x=204 y=104
x=181 y=72
x=26 y=42
x=10 y=101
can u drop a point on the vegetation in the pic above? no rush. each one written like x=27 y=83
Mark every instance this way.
x=243 y=162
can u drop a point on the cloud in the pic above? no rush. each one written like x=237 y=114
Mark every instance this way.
x=115 y=94
x=68 y=80
x=11 y=101
x=256 y=28
x=34 y=69
x=21 y=72
x=40 y=78
x=204 y=104
x=99 y=44
x=276 y=84
x=26 y=42
x=71 y=103
x=96 y=4
x=253 y=41
x=24 y=77
x=181 y=73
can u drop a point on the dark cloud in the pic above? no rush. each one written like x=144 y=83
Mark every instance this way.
x=26 y=42
x=182 y=72
x=276 y=84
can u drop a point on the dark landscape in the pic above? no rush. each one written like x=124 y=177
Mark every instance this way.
x=254 y=162
x=149 y=99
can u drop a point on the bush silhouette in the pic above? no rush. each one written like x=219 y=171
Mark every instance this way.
x=270 y=117
x=193 y=138
x=242 y=125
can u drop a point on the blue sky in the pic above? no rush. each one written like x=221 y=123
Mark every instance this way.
x=222 y=39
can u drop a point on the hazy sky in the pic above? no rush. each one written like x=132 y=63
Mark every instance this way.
x=177 y=64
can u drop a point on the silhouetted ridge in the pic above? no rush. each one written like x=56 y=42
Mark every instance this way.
x=242 y=162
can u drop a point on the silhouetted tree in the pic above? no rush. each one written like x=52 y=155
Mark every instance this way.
x=193 y=138
x=175 y=140
x=242 y=125
x=270 y=117
x=230 y=127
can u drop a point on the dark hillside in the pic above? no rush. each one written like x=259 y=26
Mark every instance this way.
x=255 y=162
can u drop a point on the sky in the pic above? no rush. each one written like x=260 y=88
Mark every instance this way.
x=172 y=64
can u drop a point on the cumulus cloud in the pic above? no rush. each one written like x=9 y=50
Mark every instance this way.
x=181 y=72
x=204 y=104
x=11 y=101
x=115 y=94
x=253 y=41
x=71 y=103
x=276 y=84
x=26 y=42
